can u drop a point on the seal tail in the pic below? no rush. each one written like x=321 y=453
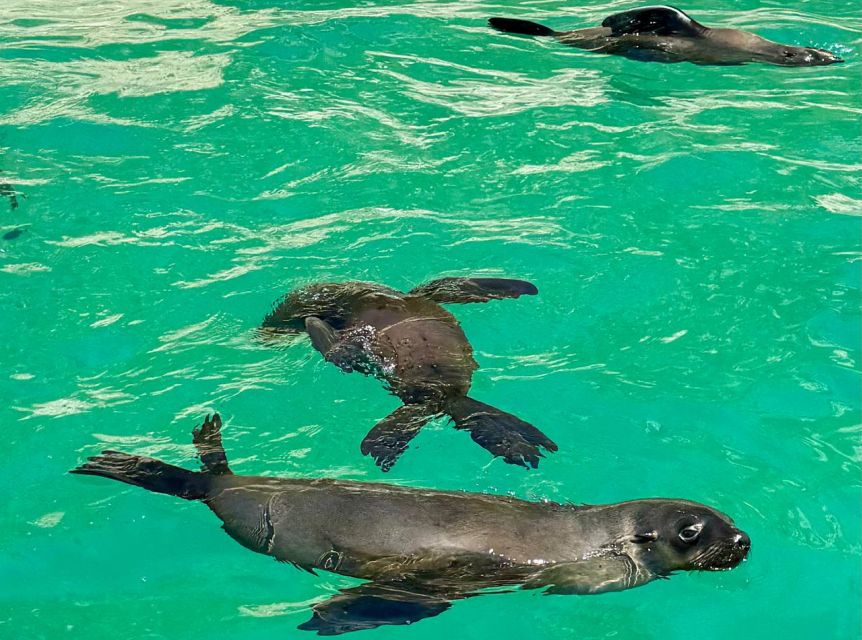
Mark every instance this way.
x=152 y=475
x=501 y=433
x=522 y=27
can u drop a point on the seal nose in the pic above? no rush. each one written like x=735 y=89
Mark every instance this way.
x=827 y=57
x=742 y=542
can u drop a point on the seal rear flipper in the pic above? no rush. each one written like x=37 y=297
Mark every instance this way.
x=207 y=441
x=153 y=475
x=501 y=433
x=390 y=437
x=369 y=606
x=463 y=290
x=599 y=574
x=659 y=21
x=522 y=27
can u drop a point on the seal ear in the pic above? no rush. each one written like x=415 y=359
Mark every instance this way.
x=645 y=536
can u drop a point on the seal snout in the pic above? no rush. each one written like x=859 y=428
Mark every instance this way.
x=819 y=57
x=727 y=554
x=831 y=58
x=800 y=57
x=724 y=551
x=742 y=542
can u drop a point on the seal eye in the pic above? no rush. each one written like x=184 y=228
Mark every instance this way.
x=789 y=54
x=691 y=533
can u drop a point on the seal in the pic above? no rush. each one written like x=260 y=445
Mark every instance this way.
x=420 y=549
x=418 y=348
x=8 y=191
x=666 y=34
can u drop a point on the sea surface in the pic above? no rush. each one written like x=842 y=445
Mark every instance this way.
x=694 y=233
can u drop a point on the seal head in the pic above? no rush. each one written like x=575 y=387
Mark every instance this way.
x=795 y=56
x=685 y=536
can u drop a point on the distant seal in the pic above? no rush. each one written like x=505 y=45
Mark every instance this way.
x=666 y=34
x=8 y=191
x=421 y=549
x=419 y=350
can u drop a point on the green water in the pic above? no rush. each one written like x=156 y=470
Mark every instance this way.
x=694 y=234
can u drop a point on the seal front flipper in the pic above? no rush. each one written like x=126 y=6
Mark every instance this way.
x=369 y=606
x=389 y=438
x=207 y=441
x=463 y=290
x=659 y=21
x=501 y=433
x=612 y=572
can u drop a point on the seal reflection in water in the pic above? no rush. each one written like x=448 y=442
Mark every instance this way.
x=420 y=549
x=666 y=34
x=419 y=350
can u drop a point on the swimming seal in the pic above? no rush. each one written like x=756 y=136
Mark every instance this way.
x=8 y=191
x=419 y=350
x=666 y=34
x=421 y=549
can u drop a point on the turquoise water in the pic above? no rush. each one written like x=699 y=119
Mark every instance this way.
x=694 y=234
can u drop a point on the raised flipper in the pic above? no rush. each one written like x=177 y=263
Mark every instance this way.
x=369 y=606
x=389 y=438
x=462 y=290
x=207 y=440
x=612 y=572
x=660 y=21
x=501 y=433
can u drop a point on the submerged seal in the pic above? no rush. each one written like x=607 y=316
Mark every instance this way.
x=419 y=350
x=666 y=34
x=421 y=549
